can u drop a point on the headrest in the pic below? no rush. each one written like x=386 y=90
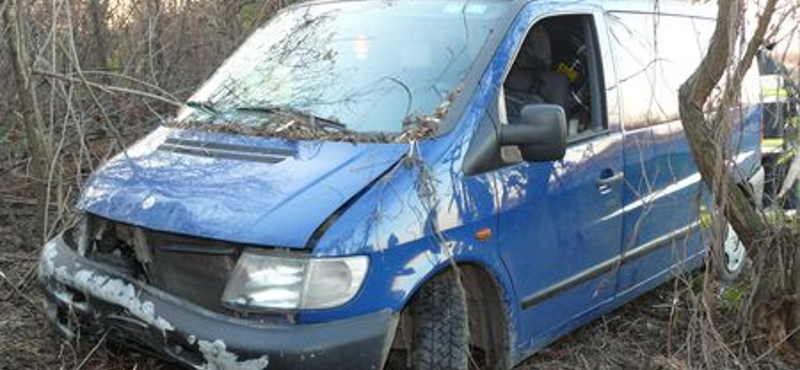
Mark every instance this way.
x=537 y=46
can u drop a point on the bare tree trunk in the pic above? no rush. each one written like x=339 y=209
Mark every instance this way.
x=155 y=38
x=707 y=142
x=794 y=321
x=38 y=148
x=708 y=151
x=97 y=12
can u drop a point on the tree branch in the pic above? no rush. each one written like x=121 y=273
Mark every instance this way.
x=107 y=88
x=751 y=226
x=32 y=117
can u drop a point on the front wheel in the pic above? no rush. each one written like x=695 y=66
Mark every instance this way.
x=440 y=326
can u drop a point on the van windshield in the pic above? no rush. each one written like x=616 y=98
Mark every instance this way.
x=365 y=65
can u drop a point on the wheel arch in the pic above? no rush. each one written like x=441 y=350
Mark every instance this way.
x=489 y=309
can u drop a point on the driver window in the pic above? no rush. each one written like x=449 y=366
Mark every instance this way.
x=557 y=64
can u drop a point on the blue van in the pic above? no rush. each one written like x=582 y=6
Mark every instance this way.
x=451 y=183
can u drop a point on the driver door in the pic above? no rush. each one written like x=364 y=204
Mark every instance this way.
x=561 y=222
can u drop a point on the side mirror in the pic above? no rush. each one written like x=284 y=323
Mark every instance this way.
x=541 y=134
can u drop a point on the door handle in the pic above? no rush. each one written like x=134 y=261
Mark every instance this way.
x=607 y=178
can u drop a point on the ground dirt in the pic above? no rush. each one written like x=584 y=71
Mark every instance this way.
x=649 y=333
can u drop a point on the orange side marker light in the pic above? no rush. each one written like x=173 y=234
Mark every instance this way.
x=483 y=234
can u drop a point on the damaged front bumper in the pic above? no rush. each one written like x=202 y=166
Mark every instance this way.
x=82 y=296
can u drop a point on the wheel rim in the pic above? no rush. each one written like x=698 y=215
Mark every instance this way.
x=734 y=251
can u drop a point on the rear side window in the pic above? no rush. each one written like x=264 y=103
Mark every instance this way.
x=653 y=55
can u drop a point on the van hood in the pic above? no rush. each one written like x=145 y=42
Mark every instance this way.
x=251 y=190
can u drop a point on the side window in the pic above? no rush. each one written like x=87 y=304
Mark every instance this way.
x=654 y=54
x=558 y=64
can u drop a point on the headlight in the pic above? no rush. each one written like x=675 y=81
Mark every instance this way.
x=262 y=281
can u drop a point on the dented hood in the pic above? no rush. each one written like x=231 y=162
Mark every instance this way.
x=260 y=191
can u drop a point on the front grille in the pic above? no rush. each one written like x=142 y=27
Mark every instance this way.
x=191 y=268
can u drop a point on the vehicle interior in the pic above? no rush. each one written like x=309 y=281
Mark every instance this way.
x=558 y=65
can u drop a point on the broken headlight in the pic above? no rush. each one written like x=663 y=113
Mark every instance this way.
x=77 y=235
x=263 y=282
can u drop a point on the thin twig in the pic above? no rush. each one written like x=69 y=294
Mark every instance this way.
x=107 y=88
x=94 y=349
x=133 y=80
x=19 y=292
x=774 y=347
x=22 y=281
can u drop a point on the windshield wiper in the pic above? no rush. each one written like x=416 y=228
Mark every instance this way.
x=205 y=106
x=292 y=111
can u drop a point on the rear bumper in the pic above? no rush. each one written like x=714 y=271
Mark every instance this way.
x=81 y=295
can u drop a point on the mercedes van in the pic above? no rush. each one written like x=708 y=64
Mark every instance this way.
x=444 y=182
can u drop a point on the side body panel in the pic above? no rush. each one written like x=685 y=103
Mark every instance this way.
x=663 y=193
x=560 y=232
x=560 y=235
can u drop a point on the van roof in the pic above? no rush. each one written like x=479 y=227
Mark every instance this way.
x=675 y=7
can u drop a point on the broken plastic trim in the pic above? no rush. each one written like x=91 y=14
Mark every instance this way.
x=219 y=358
x=105 y=287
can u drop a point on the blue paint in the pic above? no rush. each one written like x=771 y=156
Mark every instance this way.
x=247 y=202
x=549 y=221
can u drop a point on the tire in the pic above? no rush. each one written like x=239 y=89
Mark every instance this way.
x=440 y=326
x=734 y=258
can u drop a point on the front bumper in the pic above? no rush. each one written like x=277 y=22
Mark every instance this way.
x=84 y=296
